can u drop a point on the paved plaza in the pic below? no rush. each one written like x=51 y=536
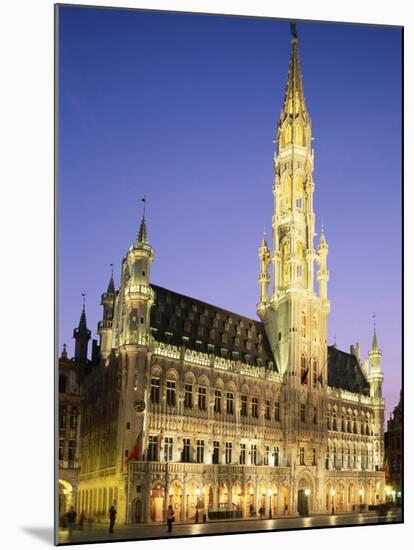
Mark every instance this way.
x=130 y=532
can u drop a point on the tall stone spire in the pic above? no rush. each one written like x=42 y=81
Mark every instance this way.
x=295 y=316
x=142 y=234
x=294 y=101
x=376 y=376
x=82 y=335
x=111 y=285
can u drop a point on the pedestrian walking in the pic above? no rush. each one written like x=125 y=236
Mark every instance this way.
x=70 y=519
x=170 y=519
x=112 y=516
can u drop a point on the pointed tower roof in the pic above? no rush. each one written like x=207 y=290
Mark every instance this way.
x=83 y=327
x=322 y=239
x=142 y=234
x=263 y=244
x=374 y=338
x=294 y=102
x=64 y=352
x=111 y=285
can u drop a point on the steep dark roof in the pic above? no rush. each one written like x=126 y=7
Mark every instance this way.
x=345 y=373
x=178 y=319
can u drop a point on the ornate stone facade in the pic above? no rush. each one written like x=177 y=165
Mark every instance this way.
x=218 y=414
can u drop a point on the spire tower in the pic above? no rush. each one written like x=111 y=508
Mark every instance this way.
x=82 y=335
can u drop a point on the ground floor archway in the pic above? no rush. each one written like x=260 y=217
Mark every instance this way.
x=157 y=502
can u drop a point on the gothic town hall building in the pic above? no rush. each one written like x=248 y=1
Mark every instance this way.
x=218 y=414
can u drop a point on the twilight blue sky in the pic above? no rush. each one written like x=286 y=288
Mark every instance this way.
x=184 y=108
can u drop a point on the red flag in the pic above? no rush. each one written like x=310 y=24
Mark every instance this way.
x=136 y=450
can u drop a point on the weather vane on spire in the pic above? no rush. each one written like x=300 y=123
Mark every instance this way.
x=144 y=200
x=83 y=298
x=375 y=323
x=293 y=30
x=112 y=269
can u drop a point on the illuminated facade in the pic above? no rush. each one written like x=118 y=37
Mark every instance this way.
x=222 y=415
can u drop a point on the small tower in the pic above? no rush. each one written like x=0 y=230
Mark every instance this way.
x=376 y=377
x=82 y=335
x=323 y=273
x=105 y=326
x=264 y=277
x=137 y=293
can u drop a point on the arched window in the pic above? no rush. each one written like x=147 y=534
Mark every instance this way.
x=303 y=370
x=334 y=424
x=314 y=329
x=288 y=193
x=314 y=372
x=285 y=256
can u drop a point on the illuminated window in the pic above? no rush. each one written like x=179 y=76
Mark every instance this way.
x=303 y=370
x=229 y=448
x=314 y=372
x=229 y=403
x=216 y=452
x=276 y=455
x=168 y=449
x=253 y=454
x=277 y=411
x=243 y=409
x=242 y=453
x=170 y=393
x=202 y=398
x=217 y=401
x=155 y=390
x=186 y=450
x=200 y=451
x=255 y=407
x=188 y=396
x=152 y=453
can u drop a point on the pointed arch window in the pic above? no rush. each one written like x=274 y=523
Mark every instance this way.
x=314 y=372
x=303 y=370
x=288 y=192
x=314 y=329
x=285 y=256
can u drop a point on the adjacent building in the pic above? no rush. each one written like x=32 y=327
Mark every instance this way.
x=219 y=414
x=394 y=452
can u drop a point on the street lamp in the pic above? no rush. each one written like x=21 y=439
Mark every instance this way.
x=198 y=493
x=333 y=501
x=269 y=492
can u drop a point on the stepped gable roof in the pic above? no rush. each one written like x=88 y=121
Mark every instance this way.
x=345 y=373
x=177 y=319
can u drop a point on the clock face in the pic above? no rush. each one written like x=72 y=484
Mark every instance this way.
x=139 y=405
